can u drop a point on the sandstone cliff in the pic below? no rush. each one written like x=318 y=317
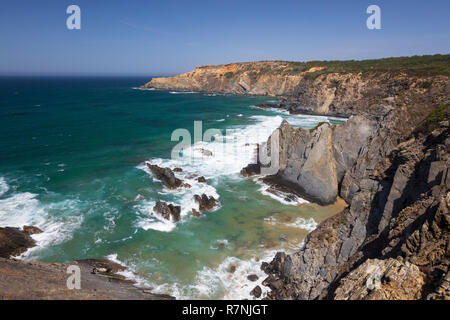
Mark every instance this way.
x=256 y=78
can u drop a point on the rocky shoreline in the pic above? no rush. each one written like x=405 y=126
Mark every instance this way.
x=389 y=161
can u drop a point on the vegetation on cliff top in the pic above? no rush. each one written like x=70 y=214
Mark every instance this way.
x=427 y=65
x=439 y=114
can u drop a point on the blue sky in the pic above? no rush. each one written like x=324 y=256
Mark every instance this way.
x=164 y=37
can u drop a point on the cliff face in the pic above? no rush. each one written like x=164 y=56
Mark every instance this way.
x=389 y=162
x=393 y=240
x=255 y=78
x=313 y=162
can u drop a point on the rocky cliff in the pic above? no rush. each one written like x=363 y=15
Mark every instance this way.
x=256 y=78
x=390 y=162
x=393 y=240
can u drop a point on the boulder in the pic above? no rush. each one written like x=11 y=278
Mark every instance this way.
x=205 y=202
x=202 y=179
x=165 y=175
x=252 y=277
x=168 y=211
x=256 y=292
x=14 y=242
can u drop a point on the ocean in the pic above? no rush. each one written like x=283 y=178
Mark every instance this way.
x=73 y=153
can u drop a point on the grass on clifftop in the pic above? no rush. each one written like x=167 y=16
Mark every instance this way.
x=428 y=65
x=434 y=118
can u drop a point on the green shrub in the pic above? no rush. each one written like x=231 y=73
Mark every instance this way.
x=229 y=75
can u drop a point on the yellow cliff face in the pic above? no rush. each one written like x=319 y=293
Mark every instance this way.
x=255 y=78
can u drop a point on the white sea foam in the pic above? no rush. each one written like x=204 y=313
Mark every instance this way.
x=3 y=186
x=280 y=196
x=300 y=223
x=145 y=89
x=23 y=208
x=129 y=272
x=225 y=155
x=181 y=92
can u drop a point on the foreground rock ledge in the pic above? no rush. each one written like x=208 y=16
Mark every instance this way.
x=36 y=280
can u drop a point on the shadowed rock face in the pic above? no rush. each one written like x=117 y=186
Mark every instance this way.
x=398 y=214
x=168 y=211
x=313 y=162
x=166 y=176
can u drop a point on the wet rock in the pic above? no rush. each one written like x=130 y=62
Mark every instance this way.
x=251 y=170
x=232 y=269
x=205 y=202
x=168 y=211
x=177 y=169
x=165 y=175
x=202 y=179
x=14 y=242
x=195 y=213
x=256 y=292
x=252 y=277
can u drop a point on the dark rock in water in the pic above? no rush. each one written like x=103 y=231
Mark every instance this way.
x=251 y=170
x=205 y=202
x=165 y=175
x=256 y=292
x=252 y=277
x=195 y=213
x=168 y=211
x=186 y=185
x=265 y=267
x=177 y=170
x=202 y=179
x=232 y=269
x=31 y=230
x=14 y=242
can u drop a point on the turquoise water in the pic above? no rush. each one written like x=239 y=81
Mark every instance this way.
x=72 y=163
